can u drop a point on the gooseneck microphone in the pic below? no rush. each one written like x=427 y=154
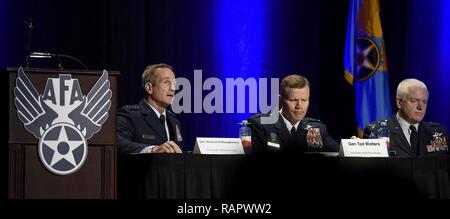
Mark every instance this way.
x=45 y=55
x=29 y=23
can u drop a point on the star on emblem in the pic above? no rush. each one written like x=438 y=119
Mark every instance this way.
x=63 y=147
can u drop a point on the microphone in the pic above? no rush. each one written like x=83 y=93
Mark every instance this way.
x=47 y=55
x=29 y=23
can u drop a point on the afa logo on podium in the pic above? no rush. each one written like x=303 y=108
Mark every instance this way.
x=62 y=118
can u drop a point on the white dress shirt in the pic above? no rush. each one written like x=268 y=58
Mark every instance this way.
x=405 y=127
x=288 y=124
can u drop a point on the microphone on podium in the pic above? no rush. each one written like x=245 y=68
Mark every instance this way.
x=46 y=55
x=29 y=23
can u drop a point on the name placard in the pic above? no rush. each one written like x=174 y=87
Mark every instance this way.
x=363 y=148
x=218 y=146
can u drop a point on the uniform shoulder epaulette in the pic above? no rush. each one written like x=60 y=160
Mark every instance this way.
x=170 y=113
x=309 y=119
x=373 y=125
x=377 y=123
x=134 y=107
x=434 y=124
x=259 y=115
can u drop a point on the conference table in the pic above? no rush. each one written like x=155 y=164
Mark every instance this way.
x=276 y=176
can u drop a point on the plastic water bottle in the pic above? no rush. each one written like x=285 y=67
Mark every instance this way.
x=246 y=136
x=383 y=132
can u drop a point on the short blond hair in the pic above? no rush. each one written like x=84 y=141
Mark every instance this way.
x=293 y=81
x=403 y=87
x=149 y=73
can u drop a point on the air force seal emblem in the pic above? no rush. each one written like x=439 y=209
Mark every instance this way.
x=62 y=118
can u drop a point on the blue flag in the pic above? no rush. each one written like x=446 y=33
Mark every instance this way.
x=366 y=63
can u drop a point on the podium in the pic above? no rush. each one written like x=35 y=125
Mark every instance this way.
x=28 y=178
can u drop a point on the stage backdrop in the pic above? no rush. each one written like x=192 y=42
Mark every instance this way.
x=231 y=39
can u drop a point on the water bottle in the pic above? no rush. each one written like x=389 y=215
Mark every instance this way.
x=383 y=132
x=246 y=137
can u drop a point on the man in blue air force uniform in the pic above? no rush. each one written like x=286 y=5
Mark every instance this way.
x=148 y=127
x=409 y=135
x=293 y=131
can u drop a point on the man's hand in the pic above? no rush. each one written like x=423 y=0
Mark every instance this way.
x=167 y=147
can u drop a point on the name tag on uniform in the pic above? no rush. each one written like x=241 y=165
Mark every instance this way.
x=148 y=137
x=273 y=140
x=272 y=144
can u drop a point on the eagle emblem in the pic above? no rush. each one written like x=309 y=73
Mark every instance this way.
x=62 y=118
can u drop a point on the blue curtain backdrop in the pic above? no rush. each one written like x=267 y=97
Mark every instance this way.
x=427 y=54
x=231 y=39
